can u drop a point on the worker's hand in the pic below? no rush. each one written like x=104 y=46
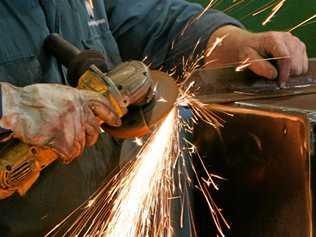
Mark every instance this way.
x=55 y=116
x=239 y=45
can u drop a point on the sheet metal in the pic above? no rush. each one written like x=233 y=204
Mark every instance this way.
x=227 y=85
x=265 y=150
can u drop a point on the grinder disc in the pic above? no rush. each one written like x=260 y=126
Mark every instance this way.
x=141 y=120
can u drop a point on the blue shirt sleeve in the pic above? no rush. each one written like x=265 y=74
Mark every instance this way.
x=149 y=28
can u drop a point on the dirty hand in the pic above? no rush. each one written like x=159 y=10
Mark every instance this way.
x=55 y=116
x=239 y=44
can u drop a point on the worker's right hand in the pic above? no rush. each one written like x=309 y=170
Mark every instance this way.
x=55 y=116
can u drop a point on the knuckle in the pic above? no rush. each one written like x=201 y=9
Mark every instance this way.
x=303 y=46
x=272 y=35
x=295 y=67
x=246 y=53
x=296 y=38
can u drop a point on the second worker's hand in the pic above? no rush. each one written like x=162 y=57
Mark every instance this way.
x=239 y=45
x=55 y=116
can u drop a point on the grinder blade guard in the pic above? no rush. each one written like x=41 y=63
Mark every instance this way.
x=130 y=80
x=141 y=120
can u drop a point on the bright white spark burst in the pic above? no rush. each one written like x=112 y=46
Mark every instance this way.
x=138 y=141
x=137 y=199
x=218 y=42
x=245 y=64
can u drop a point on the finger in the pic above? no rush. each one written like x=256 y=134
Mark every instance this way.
x=92 y=135
x=306 y=63
x=91 y=127
x=102 y=108
x=297 y=53
x=105 y=113
x=64 y=140
x=284 y=66
x=77 y=150
x=63 y=150
x=260 y=66
x=304 y=58
x=79 y=142
x=274 y=45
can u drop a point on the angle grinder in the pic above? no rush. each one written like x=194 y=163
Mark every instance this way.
x=141 y=97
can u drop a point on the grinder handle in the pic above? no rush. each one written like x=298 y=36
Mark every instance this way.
x=63 y=50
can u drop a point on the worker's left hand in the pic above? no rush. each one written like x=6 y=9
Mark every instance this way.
x=239 y=45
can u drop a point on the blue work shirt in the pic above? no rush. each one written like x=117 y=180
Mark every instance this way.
x=122 y=30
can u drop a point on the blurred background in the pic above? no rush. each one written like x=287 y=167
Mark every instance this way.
x=292 y=13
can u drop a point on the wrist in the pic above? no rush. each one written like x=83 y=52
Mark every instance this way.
x=225 y=30
x=10 y=98
x=223 y=46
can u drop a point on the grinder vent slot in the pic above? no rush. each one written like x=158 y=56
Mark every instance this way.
x=12 y=177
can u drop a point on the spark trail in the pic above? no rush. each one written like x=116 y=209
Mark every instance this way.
x=275 y=10
x=140 y=196
x=137 y=201
x=302 y=23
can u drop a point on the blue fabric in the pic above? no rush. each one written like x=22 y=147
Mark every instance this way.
x=122 y=30
x=148 y=28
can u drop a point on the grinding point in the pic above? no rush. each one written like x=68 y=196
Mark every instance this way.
x=141 y=120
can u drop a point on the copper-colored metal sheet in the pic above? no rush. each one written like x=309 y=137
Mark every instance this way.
x=140 y=121
x=265 y=158
x=266 y=150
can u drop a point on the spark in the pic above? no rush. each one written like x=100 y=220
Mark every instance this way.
x=138 y=141
x=137 y=200
x=196 y=18
x=235 y=3
x=233 y=64
x=145 y=59
x=263 y=8
x=218 y=42
x=91 y=3
x=302 y=23
x=162 y=100
x=275 y=10
x=90 y=203
x=245 y=64
x=155 y=89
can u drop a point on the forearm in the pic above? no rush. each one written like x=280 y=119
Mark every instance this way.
x=195 y=38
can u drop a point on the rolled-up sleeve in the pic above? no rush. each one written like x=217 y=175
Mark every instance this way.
x=157 y=29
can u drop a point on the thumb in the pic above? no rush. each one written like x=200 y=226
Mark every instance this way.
x=105 y=113
x=101 y=108
x=284 y=69
x=260 y=66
